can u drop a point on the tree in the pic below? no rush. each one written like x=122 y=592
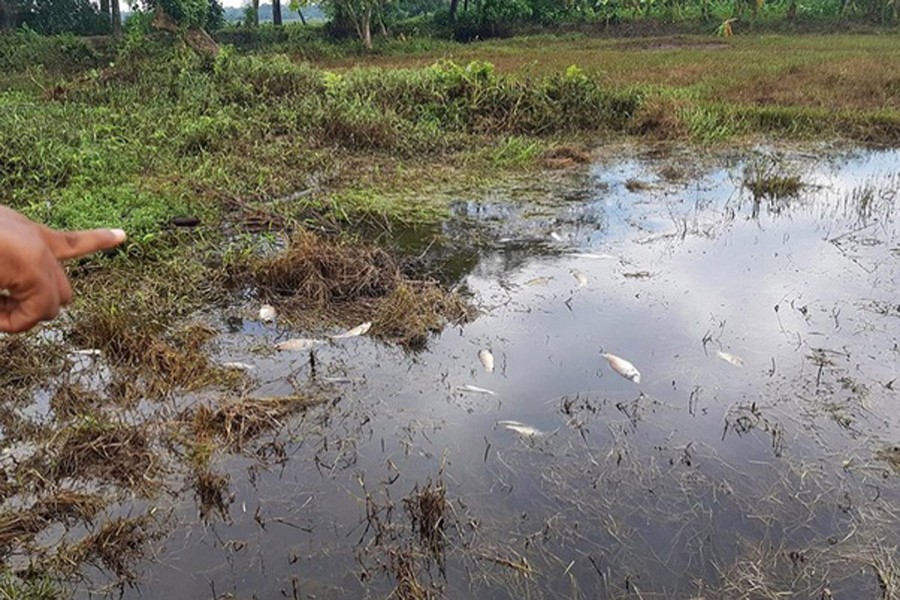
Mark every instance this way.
x=5 y=16
x=116 y=18
x=276 y=13
x=58 y=16
x=297 y=5
x=356 y=14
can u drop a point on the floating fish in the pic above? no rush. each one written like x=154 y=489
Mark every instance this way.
x=474 y=389
x=590 y=255
x=556 y=237
x=358 y=330
x=238 y=366
x=730 y=358
x=339 y=380
x=520 y=428
x=622 y=367
x=266 y=313
x=87 y=352
x=580 y=277
x=538 y=281
x=297 y=344
x=487 y=359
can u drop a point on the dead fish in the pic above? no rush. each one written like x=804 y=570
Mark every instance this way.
x=238 y=366
x=266 y=313
x=556 y=237
x=538 y=281
x=637 y=275
x=734 y=359
x=339 y=380
x=87 y=352
x=520 y=428
x=487 y=359
x=358 y=330
x=590 y=255
x=474 y=389
x=297 y=344
x=622 y=367
x=580 y=277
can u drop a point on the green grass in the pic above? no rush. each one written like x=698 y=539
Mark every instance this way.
x=40 y=587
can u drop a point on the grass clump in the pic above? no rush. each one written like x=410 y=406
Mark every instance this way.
x=236 y=423
x=348 y=282
x=28 y=361
x=211 y=492
x=140 y=350
x=71 y=400
x=63 y=507
x=118 y=545
x=767 y=177
x=416 y=309
x=318 y=271
x=107 y=451
x=40 y=587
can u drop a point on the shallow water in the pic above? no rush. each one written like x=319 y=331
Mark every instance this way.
x=705 y=478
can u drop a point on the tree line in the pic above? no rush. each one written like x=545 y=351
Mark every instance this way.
x=465 y=19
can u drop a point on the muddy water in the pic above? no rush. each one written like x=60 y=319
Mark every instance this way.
x=705 y=478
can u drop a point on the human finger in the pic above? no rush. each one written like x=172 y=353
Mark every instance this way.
x=22 y=311
x=72 y=244
x=63 y=287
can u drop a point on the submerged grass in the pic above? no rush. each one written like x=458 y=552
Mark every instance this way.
x=117 y=546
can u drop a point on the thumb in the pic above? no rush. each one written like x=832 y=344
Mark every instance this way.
x=72 y=244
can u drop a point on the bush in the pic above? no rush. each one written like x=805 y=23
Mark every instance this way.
x=24 y=49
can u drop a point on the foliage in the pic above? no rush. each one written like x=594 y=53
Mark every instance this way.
x=80 y=17
x=207 y=14
x=25 y=49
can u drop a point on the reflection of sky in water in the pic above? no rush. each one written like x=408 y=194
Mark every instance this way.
x=657 y=483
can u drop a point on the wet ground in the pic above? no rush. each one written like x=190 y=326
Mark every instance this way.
x=706 y=479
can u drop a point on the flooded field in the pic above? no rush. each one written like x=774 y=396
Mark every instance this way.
x=756 y=455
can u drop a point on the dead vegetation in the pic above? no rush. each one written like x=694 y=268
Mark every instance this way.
x=347 y=282
x=105 y=450
x=117 y=547
x=427 y=508
x=28 y=361
x=149 y=361
x=211 y=491
x=64 y=507
x=411 y=553
x=72 y=399
x=235 y=423
x=416 y=309
x=565 y=156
